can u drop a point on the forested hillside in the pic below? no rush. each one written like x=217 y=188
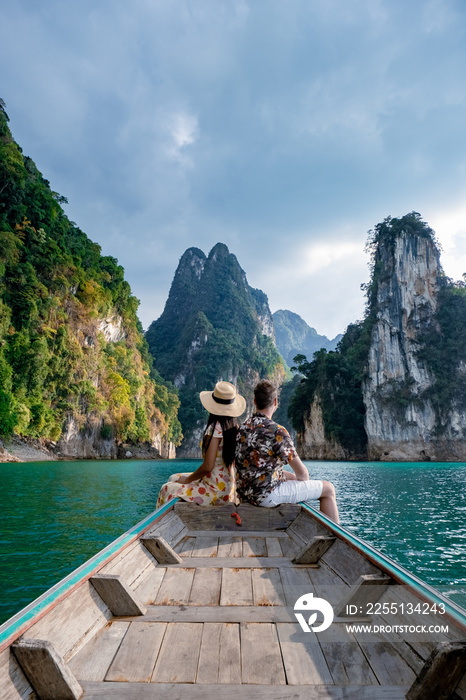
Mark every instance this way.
x=71 y=345
x=214 y=326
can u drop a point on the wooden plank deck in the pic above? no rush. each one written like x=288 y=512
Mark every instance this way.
x=224 y=617
x=222 y=621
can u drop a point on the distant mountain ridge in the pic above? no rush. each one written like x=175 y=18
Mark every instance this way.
x=214 y=327
x=294 y=336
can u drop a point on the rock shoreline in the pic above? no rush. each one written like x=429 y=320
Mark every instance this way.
x=21 y=449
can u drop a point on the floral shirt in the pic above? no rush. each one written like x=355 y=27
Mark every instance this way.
x=263 y=448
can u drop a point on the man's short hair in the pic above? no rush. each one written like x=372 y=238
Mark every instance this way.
x=264 y=394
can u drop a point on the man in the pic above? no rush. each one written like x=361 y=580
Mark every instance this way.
x=263 y=448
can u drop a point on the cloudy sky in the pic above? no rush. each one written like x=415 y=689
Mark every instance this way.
x=284 y=128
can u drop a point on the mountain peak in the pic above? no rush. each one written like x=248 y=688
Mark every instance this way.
x=214 y=326
x=219 y=250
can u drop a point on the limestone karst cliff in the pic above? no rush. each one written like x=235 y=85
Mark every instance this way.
x=399 y=423
x=214 y=326
x=74 y=366
x=395 y=390
x=401 y=420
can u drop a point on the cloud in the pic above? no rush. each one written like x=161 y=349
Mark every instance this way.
x=285 y=130
x=450 y=226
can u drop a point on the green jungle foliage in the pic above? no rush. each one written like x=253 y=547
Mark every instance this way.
x=55 y=289
x=337 y=377
x=443 y=349
x=209 y=330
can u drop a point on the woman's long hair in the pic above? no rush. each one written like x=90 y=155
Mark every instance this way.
x=229 y=427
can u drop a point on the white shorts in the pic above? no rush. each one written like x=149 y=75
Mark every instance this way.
x=293 y=491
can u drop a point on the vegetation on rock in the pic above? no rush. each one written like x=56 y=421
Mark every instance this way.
x=337 y=377
x=58 y=294
x=212 y=329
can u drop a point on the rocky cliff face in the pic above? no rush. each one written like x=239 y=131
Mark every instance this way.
x=312 y=443
x=396 y=388
x=75 y=373
x=401 y=422
x=89 y=434
x=214 y=327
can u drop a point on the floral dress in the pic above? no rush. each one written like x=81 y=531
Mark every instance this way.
x=215 y=487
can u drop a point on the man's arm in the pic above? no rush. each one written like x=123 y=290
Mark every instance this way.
x=299 y=469
x=289 y=476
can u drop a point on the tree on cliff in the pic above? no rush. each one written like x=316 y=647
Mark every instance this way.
x=214 y=326
x=57 y=293
x=339 y=379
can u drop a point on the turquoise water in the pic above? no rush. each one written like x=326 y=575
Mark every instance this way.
x=55 y=515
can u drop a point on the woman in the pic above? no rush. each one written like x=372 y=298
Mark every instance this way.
x=213 y=483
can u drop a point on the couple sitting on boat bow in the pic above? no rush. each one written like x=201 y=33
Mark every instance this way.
x=245 y=463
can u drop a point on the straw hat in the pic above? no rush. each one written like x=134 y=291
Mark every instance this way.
x=223 y=400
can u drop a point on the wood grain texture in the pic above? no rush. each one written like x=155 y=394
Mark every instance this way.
x=347 y=562
x=171 y=528
x=344 y=657
x=73 y=621
x=261 y=659
x=226 y=534
x=148 y=586
x=205 y=590
x=273 y=547
x=46 y=671
x=302 y=656
x=187 y=691
x=178 y=657
x=305 y=528
x=295 y=582
x=328 y=584
x=252 y=517
x=175 y=588
x=161 y=550
x=13 y=683
x=236 y=587
x=384 y=660
x=311 y=552
x=236 y=562
x=254 y=547
x=117 y=595
x=267 y=588
x=236 y=550
x=205 y=546
x=219 y=658
x=184 y=547
x=229 y=670
x=135 y=659
x=224 y=545
x=209 y=655
x=92 y=662
x=365 y=591
x=221 y=613
x=441 y=673
x=131 y=563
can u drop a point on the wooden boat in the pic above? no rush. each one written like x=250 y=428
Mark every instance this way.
x=191 y=604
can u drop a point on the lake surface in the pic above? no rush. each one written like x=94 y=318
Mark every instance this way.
x=56 y=515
